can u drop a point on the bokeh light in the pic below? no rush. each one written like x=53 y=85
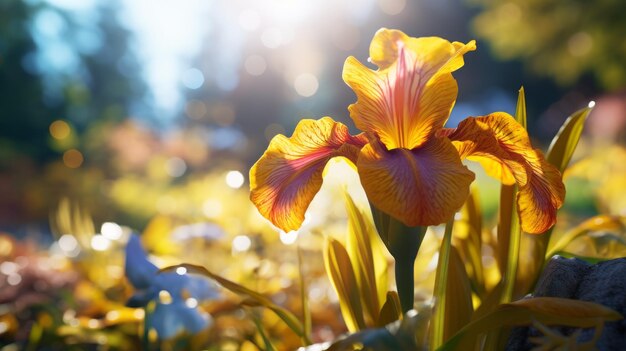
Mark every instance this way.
x=193 y=78
x=241 y=243
x=175 y=167
x=255 y=65
x=111 y=231
x=100 y=243
x=392 y=7
x=306 y=84
x=234 y=179
x=60 y=129
x=73 y=158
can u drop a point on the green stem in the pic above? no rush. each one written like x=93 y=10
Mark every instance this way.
x=405 y=284
x=515 y=239
x=441 y=281
x=403 y=243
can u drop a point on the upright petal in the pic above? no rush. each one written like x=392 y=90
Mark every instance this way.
x=424 y=186
x=502 y=145
x=289 y=174
x=410 y=97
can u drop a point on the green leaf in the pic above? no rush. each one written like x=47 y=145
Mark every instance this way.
x=391 y=310
x=564 y=143
x=453 y=305
x=440 y=290
x=290 y=320
x=509 y=229
x=509 y=233
x=341 y=274
x=468 y=241
x=266 y=340
x=459 y=306
x=547 y=310
x=520 y=110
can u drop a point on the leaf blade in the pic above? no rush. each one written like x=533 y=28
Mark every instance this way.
x=341 y=274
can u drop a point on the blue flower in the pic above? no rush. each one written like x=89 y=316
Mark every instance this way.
x=169 y=318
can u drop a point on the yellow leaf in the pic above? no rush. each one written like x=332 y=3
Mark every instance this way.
x=391 y=310
x=367 y=255
x=547 y=310
x=341 y=274
x=156 y=236
x=593 y=224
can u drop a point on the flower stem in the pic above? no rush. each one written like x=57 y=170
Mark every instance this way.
x=515 y=238
x=405 y=283
x=403 y=243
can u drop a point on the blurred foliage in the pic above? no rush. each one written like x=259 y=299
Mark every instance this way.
x=564 y=39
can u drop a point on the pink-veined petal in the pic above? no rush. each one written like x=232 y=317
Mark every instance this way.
x=410 y=97
x=424 y=186
x=502 y=145
x=289 y=174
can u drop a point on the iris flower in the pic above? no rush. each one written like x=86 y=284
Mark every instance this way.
x=169 y=318
x=408 y=163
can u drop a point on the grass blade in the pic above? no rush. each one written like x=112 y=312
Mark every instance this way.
x=290 y=320
x=368 y=259
x=441 y=279
x=306 y=311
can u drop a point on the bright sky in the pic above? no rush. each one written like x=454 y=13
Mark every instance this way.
x=170 y=35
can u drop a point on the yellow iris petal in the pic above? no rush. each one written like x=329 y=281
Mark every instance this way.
x=410 y=97
x=502 y=144
x=289 y=174
x=424 y=186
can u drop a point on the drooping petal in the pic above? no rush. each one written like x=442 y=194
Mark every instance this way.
x=502 y=144
x=138 y=269
x=410 y=97
x=289 y=174
x=424 y=186
x=171 y=319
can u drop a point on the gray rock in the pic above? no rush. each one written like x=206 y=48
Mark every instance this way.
x=603 y=283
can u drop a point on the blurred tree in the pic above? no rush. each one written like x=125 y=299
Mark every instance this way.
x=63 y=71
x=23 y=114
x=564 y=39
